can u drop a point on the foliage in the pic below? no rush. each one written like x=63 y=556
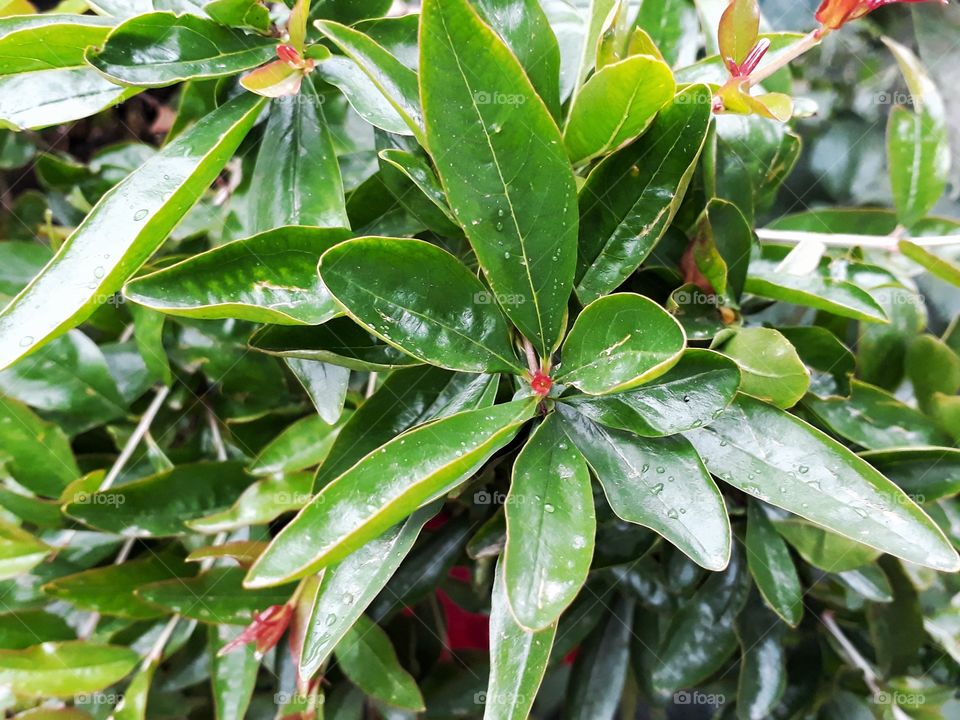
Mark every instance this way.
x=502 y=358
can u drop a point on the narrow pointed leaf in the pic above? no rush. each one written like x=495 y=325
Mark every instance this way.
x=782 y=460
x=659 y=483
x=421 y=300
x=618 y=342
x=772 y=568
x=133 y=704
x=232 y=676
x=325 y=384
x=404 y=474
x=41 y=42
x=926 y=474
x=550 y=527
x=693 y=393
x=517 y=205
x=121 y=232
x=162 y=48
x=304 y=444
x=64 y=669
x=268 y=278
x=616 y=105
x=631 y=197
x=421 y=174
x=366 y=656
x=263 y=501
x=518 y=659
x=20 y=551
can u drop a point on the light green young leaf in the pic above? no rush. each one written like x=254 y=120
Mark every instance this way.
x=64 y=669
x=770 y=366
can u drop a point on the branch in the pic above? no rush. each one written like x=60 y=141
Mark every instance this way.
x=846 y=240
x=791 y=53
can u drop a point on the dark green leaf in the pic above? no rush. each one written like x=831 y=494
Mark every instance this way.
x=771 y=566
x=36 y=453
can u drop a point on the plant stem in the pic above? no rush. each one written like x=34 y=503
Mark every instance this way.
x=803 y=45
x=533 y=364
x=858 y=661
x=846 y=240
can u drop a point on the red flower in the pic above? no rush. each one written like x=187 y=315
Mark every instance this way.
x=833 y=14
x=266 y=629
x=541 y=383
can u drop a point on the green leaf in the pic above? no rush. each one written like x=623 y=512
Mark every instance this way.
x=926 y=474
x=523 y=26
x=944 y=628
x=518 y=659
x=325 y=384
x=232 y=676
x=600 y=669
x=550 y=527
x=216 y=597
x=618 y=342
x=763 y=672
x=110 y=590
x=160 y=505
x=933 y=367
x=362 y=94
x=162 y=48
x=772 y=568
x=304 y=444
x=360 y=577
x=419 y=172
x=19 y=552
x=339 y=342
x=240 y=13
x=39 y=42
x=691 y=394
x=628 y=203
x=115 y=239
x=64 y=669
x=936 y=265
x=674 y=29
x=659 y=483
x=133 y=704
x=783 y=461
x=407 y=398
x=882 y=349
x=723 y=241
x=822 y=351
x=517 y=202
x=591 y=26
x=771 y=368
x=35 y=453
x=22 y=628
x=268 y=278
x=839 y=297
x=700 y=635
x=616 y=105
x=385 y=487
x=396 y=82
x=875 y=419
x=366 y=656
x=824 y=549
x=422 y=300
x=263 y=501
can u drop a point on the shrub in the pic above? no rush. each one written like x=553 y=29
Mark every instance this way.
x=484 y=360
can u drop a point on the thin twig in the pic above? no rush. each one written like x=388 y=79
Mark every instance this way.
x=853 y=655
x=846 y=240
x=792 y=52
x=532 y=363
x=371 y=384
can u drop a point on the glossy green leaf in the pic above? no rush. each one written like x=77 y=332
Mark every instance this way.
x=944 y=628
x=616 y=105
x=518 y=659
x=591 y=21
x=407 y=398
x=366 y=656
x=933 y=367
x=296 y=174
x=691 y=394
x=673 y=28
x=160 y=505
x=938 y=266
x=701 y=635
x=926 y=474
x=422 y=175
x=268 y=278
x=763 y=672
x=770 y=366
x=362 y=94
x=517 y=204
x=882 y=349
x=217 y=597
x=358 y=578
x=339 y=342
x=19 y=552
x=413 y=469
x=783 y=461
x=824 y=355
x=824 y=549
x=262 y=502
x=550 y=527
x=325 y=384
x=232 y=676
x=162 y=48
x=628 y=202
x=64 y=669
x=396 y=82
x=110 y=590
x=304 y=444
x=421 y=300
x=39 y=42
x=35 y=453
x=523 y=26
x=133 y=704
x=122 y=231
x=875 y=419
x=22 y=628
x=618 y=342
x=772 y=568
x=659 y=483
x=240 y=13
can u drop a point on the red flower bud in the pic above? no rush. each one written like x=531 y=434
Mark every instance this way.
x=288 y=54
x=541 y=383
x=833 y=14
x=266 y=629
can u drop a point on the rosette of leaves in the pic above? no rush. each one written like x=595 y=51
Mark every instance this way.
x=459 y=361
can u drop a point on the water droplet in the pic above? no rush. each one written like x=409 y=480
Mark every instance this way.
x=26 y=340
x=99 y=272
x=803 y=469
x=141 y=214
x=672 y=514
x=331 y=619
x=548 y=507
x=661 y=470
x=657 y=489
